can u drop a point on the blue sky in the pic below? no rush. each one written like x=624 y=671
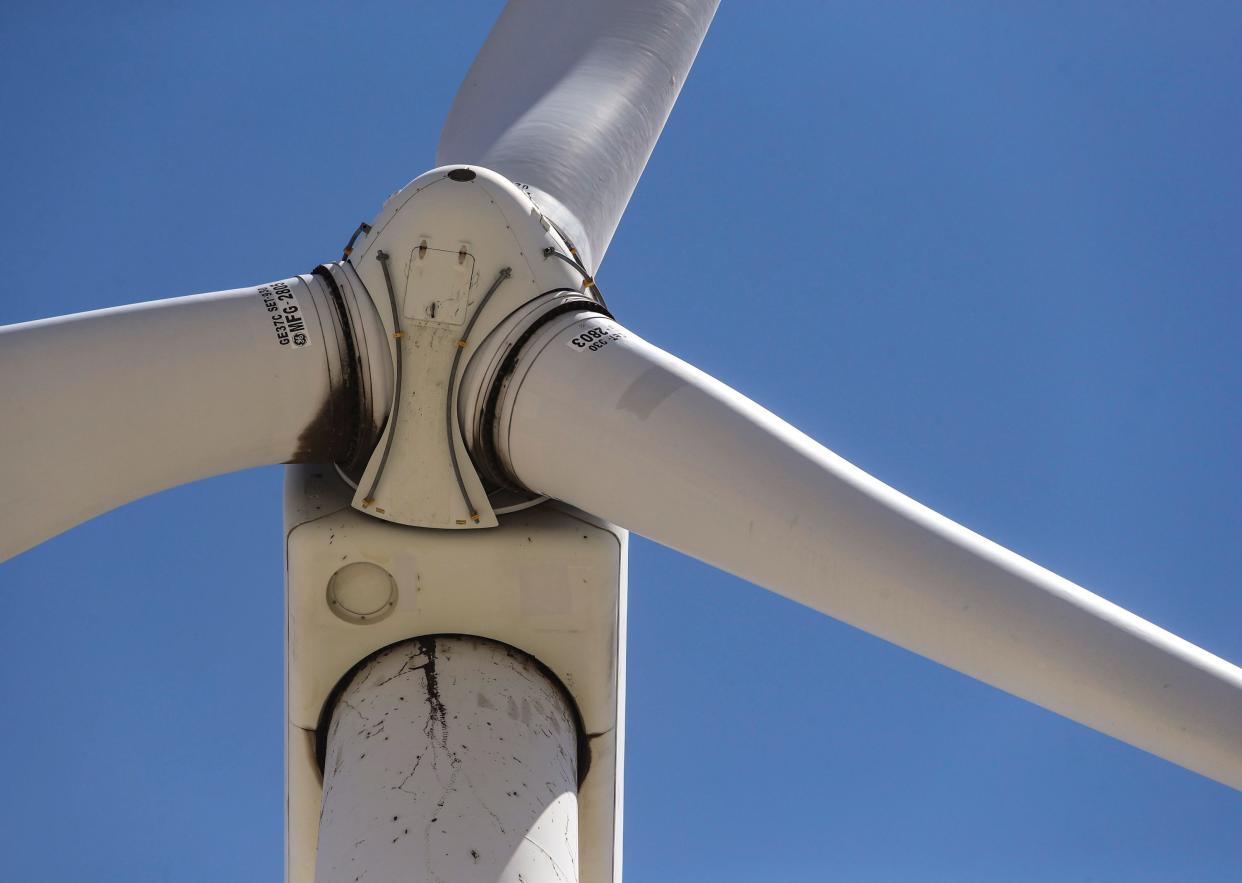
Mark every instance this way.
x=989 y=252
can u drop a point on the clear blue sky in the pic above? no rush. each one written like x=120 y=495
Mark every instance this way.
x=989 y=254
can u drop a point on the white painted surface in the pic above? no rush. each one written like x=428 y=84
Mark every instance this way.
x=447 y=241
x=105 y=407
x=569 y=98
x=489 y=371
x=604 y=420
x=454 y=760
x=549 y=581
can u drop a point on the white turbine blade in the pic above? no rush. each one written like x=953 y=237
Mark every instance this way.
x=606 y=421
x=105 y=407
x=568 y=98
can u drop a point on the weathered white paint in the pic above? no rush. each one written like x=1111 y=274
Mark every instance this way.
x=450 y=760
x=104 y=407
x=600 y=418
x=449 y=256
x=549 y=581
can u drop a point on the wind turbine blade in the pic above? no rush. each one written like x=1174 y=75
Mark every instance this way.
x=597 y=417
x=105 y=407
x=568 y=97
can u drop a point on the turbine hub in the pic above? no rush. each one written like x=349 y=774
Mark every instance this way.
x=451 y=256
